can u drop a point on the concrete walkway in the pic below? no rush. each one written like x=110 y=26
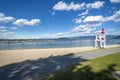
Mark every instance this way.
x=41 y=68
x=98 y=53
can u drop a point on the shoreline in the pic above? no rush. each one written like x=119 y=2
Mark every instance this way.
x=107 y=46
x=14 y=56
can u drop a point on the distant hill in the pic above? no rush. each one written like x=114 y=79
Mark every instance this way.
x=63 y=38
x=117 y=37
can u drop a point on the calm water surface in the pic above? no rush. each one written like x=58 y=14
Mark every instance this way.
x=54 y=44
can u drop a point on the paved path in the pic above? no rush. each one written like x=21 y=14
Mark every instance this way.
x=39 y=69
x=98 y=53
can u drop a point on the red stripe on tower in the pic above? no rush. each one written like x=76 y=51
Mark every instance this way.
x=103 y=31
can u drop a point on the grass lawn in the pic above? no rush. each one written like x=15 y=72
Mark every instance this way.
x=95 y=69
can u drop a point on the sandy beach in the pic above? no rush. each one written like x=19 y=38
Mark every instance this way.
x=13 y=56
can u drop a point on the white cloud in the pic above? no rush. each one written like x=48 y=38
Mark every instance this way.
x=2 y=27
x=77 y=20
x=2 y=15
x=95 y=5
x=6 y=34
x=64 y=6
x=4 y=31
x=25 y=22
x=60 y=6
x=80 y=32
x=80 y=28
x=115 y=17
x=111 y=30
x=93 y=19
x=95 y=24
x=83 y=28
x=115 y=1
x=72 y=6
x=57 y=35
x=99 y=18
x=13 y=28
x=53 y=13
x=84 y=13
x=4 y=19
x=76 y=31
x=45 y=36
x=82 y=17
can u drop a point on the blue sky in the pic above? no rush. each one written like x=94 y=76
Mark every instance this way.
x=24 y=19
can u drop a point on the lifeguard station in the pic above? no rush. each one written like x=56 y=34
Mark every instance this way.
x=100 y=40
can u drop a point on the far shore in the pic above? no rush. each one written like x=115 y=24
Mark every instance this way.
x=14 y=56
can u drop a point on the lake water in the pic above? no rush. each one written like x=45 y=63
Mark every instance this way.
x=54 y=44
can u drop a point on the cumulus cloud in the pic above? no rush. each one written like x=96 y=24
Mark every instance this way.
x=72 y=6
x=115 y=17
x=76 y=31
x=95 y=5
x=4 y=19
x=85 y=28
x=82 y=29
x=99 y=18
x=25 y=22
x=90 y=23
x=115 y=1
x=92 y=19
x=84 y=13
x=64 y=6
x=5 y=32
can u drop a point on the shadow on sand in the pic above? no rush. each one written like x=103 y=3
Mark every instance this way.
x=37 y=69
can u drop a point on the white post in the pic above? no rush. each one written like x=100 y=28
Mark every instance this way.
x=96 y=40
x=103 y=38
x=100 y=41
x=104 y=41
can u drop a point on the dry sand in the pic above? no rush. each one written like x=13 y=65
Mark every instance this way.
x=13 y=56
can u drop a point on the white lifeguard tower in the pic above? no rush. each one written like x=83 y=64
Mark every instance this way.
x=100 y=40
